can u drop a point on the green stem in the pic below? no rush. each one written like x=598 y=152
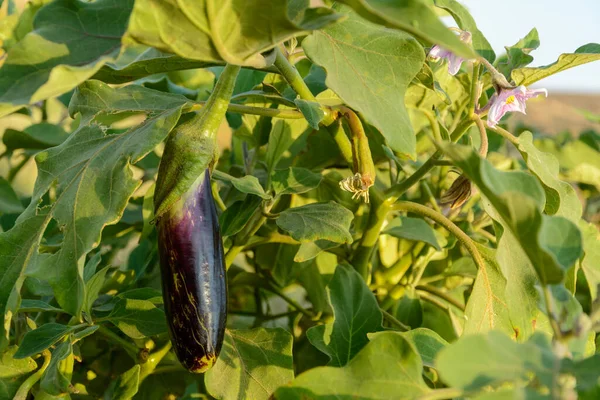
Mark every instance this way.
x=394 y=321
x=218 y=102
x=266 y=112
x=397 y=190
x=435 y=126
x=550 y=312
x=292 y=76
x=506 y=135
x=474 y=93
x=129 y=347
x=217 y=196
x=274 y=237
x=483 y=148
x=26 y=386
x=446 y=223
x=289 y=300
x=441 y=394
x=442 y=295
x=153 y=360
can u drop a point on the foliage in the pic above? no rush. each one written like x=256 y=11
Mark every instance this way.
x=330 y=296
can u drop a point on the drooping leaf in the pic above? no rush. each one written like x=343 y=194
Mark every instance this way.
x=40 y=339
x=54 y=382
x=328 y=221
x=247 y=184
x=583 y=55
x=38 y=136
x=69 y=42
x=138 y=318
x=387 y=367
x=356 y=313
x=295 y=180
x=9 y=201
x=476 y=361
x=412 y=229
x=561 y=198
x=311 y=111
x=238 y=214
x=252 y=364
x=552 y=244
x=28 y=305
x=202 y=30
x=370 y=68
x=466 y=22
x=414 y=17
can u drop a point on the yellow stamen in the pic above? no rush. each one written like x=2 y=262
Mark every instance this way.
x=510 y=99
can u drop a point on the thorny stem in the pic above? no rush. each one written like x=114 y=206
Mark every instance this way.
x=32 y=380
x=446 y=223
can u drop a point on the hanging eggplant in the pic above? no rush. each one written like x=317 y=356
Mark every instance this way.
x=190 y=245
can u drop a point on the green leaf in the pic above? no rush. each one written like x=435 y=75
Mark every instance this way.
x=252 y=364
x=54 y=382
x=238 y=214
x=583 y=55
x=517 y=55
x=561 y=198
x=202 y=30
x=138 y=318
x=369 y=68
x=427 y=343
x=586 y=372
x=40 y=339
x=247 y=184
x=68 y=44
x=92 y=290
x=92 y=174
x=9 y=201
x=295 y=180
x=13 y=371
x=466 y=22
x=38 y=136
x=90 y=330
x=414 y=17
x=310 y=250
x=356 y=313
x=283 y=134
x=329 y=221
x=28 y=305
x=412 y=229
x=552 y=244
x=476 y=361
x=387 y=367
x=127 y=384
x=312 y=112
x=591 y=259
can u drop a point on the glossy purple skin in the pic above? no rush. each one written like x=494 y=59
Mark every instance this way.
x=193 y=277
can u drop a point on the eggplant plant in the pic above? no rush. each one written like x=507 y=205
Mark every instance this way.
x=288 y=200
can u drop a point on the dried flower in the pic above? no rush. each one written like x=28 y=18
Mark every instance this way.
x=454 y=62
x=458 y=193
x=507 y=100
x=358 y=185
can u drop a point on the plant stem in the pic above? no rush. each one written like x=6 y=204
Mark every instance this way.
x=446 y=223
x=32 y=380
x=289 y=300
x=442 y=295
x=506 y=135
x=483 y=148
x=274 y=237
x=129 y=347
x=474 y=94
x=266 y=112
x=435 y=126
x=292 y=76
x=153 y=360
x=394 y=321
x=550 y=312
x=441 y=394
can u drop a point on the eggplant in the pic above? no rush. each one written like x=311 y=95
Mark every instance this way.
x=193 y=277
x=189 y=238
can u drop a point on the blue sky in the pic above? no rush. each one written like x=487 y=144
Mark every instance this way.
x=563 y=26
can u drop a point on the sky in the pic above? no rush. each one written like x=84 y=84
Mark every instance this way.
x=563 y=26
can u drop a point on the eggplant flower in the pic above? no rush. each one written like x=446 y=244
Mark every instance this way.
x=458 y=193
x=510 y=100
x=454 y=62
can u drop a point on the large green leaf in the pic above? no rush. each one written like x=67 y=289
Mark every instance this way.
x=427 y=343
x=414 y=17
x=138 y=318
x=246 y=184
x=54 y=382
x=476 y=361
x=370 y=68
x=295 y=180
x=356 y=313
x=69 y=43
x=13 y=371
x=212 y=30
x=40 y=339
x=329 y=221
x=93 y=178
x=252 y=364
x=412 y=229
x=466 y=22
x=386 y=368
x=561 y=198
x=583 y=55
x=552 y=244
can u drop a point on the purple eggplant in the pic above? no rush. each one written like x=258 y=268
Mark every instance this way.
x=193 y=277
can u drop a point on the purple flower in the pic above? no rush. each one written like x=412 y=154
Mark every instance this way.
x=510 y=100
x=454 y=62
